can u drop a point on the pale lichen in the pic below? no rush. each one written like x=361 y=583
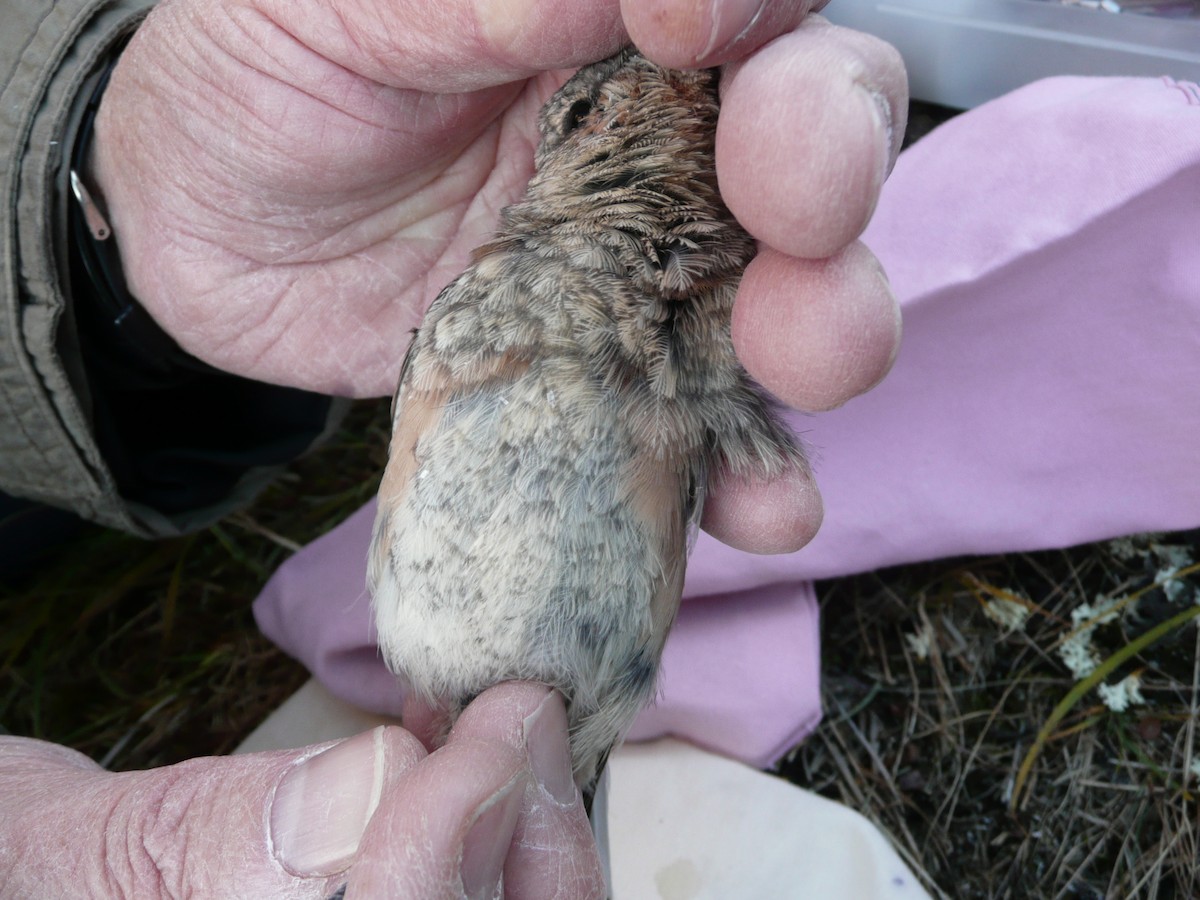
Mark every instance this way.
x=1125 y=693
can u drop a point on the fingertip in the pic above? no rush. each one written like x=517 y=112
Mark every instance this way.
x=498 y=712
x=698 y=35
x=451 y=817
x=667 y=31
x=808 y=131
x=816 y=333
x=547 y=740
x=550 y=34
x=766 y=517
x=553 y=853
x=401 y=750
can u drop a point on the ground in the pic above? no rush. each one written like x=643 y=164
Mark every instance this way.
x=953 y=717
x=938 y=679
x=936 y=706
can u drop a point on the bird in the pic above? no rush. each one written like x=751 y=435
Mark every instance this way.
x=561 y=409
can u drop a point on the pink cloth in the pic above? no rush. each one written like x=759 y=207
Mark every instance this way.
x=1045 y=250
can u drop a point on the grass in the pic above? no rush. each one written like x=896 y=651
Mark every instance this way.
x=142 y=654
x=996 y=772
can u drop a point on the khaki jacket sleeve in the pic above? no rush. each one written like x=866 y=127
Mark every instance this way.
x=51 y=55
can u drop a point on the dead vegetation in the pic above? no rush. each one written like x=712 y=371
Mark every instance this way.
x=937 y=682
x=939 y=678
x=940 y=682
x=144 y=654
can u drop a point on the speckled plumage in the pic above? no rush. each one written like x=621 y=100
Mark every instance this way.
x=561 y=408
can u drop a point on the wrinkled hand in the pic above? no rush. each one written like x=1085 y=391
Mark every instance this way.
x=293 y=181
x=498 y=797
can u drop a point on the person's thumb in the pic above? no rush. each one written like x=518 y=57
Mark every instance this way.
x=451 y=46
x=283 y=824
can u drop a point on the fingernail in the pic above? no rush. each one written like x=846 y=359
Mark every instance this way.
x=486 y=845
x=887 y=130
x=322 y=805
x=732 y=20
x=549 y=747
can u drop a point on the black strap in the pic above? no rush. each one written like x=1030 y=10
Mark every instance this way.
x=177 y=434
x=130 y=326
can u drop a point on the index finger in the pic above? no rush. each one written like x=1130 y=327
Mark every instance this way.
x=553 y=853
x=444 y=827
x=810 y=126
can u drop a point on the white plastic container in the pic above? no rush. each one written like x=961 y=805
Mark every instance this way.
x=964 y=52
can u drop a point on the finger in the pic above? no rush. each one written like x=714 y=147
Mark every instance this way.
x=451 y=46
x=425 y=721
x=259 y=825
x=809 y=128
x=553 y=852
x=444 y=828
x=816 y=333
x=690 y=34
x=778 y=516
x=550 y=34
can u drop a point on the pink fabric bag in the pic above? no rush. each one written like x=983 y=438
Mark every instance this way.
x=1046 y=250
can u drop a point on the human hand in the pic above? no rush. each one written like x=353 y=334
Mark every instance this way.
x=295 y=824
x=293 y=182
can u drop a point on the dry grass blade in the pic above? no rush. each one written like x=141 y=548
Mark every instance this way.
x=1089 y=683
x=142 y=653
x=933 y=702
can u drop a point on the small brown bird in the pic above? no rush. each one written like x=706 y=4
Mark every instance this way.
x=561 y=409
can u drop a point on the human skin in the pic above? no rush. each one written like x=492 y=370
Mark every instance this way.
x=376 y=810
x=291 y=183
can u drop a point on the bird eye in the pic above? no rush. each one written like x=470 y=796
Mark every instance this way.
x=576 y=114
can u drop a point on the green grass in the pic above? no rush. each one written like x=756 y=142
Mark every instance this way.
x=142 y=654
x=998 y=773
x=995 y=772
